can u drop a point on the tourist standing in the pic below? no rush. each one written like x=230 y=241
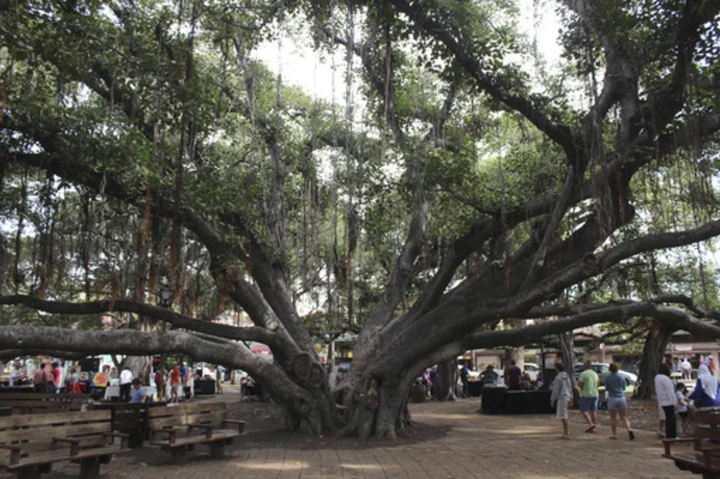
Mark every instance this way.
x=126 y=378
x=175 y=381
x=56 y=377
x=138 y=392
x=705 y=393
x=561 y=398
x=666 y=398
x=682 y=407
x=588 y=384
x=617 y=402
x=513 y=375
x=16 y=376
x=40 y=379
x=160 y=383
x=74 y=386
x=686 y=369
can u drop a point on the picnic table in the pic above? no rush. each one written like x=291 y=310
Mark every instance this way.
x=500 y=400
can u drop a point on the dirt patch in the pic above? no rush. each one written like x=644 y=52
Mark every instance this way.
x=265 y=429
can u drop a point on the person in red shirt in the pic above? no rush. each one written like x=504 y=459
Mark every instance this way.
x=175 y=384
x=56 y=376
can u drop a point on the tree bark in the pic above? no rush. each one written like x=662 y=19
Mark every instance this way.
x=653 y=354
x=446 y=380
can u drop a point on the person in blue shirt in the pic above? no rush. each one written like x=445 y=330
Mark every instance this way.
x=138 y=392
x=616 y=403
x=705 y=394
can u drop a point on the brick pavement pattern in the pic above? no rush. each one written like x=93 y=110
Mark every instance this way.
x=476 y=446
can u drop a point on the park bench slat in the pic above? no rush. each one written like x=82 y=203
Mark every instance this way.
x=63 y=418
x=41 y=433
x=186 y=420
x=186 y=408
x=62 y=455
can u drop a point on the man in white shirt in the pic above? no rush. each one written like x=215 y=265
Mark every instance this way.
x=686 y=369
x=666 y=398
x=126 y=377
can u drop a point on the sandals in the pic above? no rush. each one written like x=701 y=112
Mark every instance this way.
x=591 y=429
x=631 y=434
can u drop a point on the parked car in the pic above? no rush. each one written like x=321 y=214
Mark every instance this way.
x=532 y=371
x=602 y=370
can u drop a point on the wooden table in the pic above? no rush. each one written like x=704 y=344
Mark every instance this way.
x=499 y=400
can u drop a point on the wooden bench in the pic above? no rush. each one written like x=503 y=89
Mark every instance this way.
x=705 y=457
x=130 y=419
x=32 y=403
x=178 y=423
x=31 y=443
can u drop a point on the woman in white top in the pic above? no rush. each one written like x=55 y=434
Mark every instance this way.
x=666 y=397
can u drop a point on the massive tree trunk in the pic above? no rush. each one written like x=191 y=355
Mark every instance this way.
x=446 y=380
x=654 y=348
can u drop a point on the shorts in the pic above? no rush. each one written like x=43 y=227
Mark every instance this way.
x=683 y=414
x=616 y=403
x=175 y=388
x=561 y=409
x=588 y=404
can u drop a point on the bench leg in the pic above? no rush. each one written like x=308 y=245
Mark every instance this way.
x=177 y=455
x=29 y=473
x=90 y=468
x=217 y=449
x=136 y=440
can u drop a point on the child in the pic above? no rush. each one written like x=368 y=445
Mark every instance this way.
x=683 y=407
x=562 y=397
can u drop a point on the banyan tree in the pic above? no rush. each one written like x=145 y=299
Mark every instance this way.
x=451 y=191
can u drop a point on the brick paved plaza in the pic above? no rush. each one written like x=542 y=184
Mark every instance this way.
x=475 y=446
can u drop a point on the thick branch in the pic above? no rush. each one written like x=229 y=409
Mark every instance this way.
x=147 y=310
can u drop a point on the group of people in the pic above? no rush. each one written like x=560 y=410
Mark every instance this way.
x=672 y=398
x=562 y=398
x=684 y=366
x=51 y=378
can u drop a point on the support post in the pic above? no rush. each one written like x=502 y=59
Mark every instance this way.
x=90 y=468
x=177 y=455
x=217 y=449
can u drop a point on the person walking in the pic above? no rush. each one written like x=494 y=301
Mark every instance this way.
x=666 y=398
x=561 y=398
x=588 y=384
x=617 y=402
x=126 y=378
x=464 y=378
